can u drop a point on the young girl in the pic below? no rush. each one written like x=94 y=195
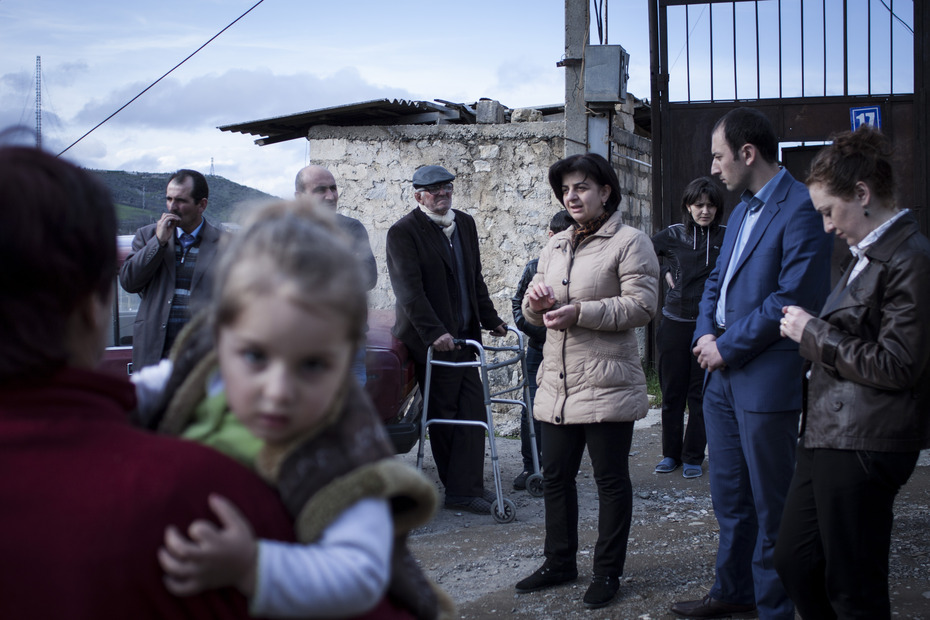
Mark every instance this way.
x=688 y=252
x=267 y=380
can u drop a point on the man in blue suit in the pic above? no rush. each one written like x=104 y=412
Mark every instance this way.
x=775 y=253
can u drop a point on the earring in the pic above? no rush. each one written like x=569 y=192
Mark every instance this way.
x=866 y=213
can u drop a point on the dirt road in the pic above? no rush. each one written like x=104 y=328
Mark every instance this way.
x=671 y=552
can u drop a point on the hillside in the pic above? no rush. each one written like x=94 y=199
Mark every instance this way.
x=140 y=197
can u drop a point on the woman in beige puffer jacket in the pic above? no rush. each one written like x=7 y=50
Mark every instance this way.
x=595 y=283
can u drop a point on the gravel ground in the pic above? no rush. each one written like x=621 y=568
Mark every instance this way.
x=671 y=550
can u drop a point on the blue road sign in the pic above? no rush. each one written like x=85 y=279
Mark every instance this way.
x=870 y=115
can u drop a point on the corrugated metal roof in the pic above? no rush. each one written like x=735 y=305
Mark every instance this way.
x=388 y=112
x=375 y=112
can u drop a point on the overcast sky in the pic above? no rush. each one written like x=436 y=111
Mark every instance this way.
x=290 y=56
x=284 y=57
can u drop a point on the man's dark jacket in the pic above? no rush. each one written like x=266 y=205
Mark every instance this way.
x=421 y=266
x=536 y=334
x=149 y=270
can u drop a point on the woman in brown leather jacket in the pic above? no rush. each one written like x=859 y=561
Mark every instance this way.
x=867 y=410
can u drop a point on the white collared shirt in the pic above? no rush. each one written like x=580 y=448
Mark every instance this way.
x=859 y=249
x=178 y=232
x=754 y=204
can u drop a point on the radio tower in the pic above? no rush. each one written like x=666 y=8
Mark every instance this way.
x=38 y=102
x=211 y=167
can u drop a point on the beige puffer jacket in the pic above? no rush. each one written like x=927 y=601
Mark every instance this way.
x=592 y=371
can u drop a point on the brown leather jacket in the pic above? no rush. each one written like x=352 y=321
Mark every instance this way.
x=869 y=386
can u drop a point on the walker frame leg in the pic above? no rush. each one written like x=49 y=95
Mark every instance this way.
x=502 y=509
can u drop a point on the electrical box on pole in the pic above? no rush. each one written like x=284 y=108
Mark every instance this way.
x=606 y=70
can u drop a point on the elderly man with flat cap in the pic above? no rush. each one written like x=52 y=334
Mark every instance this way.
x=435 y=270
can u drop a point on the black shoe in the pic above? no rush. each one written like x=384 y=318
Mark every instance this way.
x=709 y=607
x=519 y=483
x=477 y=505
x=545 y=577
x=601 y=592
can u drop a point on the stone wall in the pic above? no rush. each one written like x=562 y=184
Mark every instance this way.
x=501 y=181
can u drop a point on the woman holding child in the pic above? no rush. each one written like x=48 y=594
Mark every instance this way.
x=86 y=497
x=594 y=284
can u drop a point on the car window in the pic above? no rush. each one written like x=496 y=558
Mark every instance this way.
x=125 y=305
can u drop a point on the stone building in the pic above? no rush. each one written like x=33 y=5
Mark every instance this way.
x=500 y=158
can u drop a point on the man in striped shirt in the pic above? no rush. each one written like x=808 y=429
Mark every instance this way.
x=169 y=266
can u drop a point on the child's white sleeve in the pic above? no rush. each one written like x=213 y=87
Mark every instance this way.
x=344 y=573
x=150 y=383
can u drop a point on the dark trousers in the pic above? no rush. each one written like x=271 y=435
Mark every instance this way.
x=533 y=360
x=681 y=379
x=752 y=457
x=832 y=549
x=458 y=450
x=609 y=447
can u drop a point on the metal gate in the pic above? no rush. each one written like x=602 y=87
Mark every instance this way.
x=814 y=67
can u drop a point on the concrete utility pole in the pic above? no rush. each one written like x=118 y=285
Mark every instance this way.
x=577 y=27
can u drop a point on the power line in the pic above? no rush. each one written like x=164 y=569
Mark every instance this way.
x=599 y=18
x=893 y=14
x=147 y=88
x=690 y=34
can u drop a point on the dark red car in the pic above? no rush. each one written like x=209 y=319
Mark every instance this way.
x=391 y=381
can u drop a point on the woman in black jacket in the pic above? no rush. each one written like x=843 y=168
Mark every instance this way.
x=867 y=405
x=688 y=253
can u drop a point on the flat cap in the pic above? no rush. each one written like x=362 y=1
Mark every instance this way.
x=430 y=175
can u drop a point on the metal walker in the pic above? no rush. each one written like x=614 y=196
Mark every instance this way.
x=502 y=509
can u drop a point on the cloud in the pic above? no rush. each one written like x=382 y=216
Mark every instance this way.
x=17 y=99
x=234 y=156
x=517 y=72
x=233 y=96
x=524 y=82
x=18 y=81
x=66 y=74
x=174 y=124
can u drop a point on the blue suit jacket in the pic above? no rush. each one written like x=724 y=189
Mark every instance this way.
x=786 y=261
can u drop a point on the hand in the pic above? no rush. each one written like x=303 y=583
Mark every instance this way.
x=500 y=330
x=793 y=323
x=444 y=343
x=707 y=354
x=562 y=317
x=541 y=297
x=212 y=557
x=165 y=227
x=670 y=279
